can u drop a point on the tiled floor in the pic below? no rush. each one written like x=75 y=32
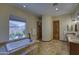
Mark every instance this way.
x=54 y=47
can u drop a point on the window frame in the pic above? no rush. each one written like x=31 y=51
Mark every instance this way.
x=16 y=18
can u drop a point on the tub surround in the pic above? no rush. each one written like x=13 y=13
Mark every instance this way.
x=25 y=49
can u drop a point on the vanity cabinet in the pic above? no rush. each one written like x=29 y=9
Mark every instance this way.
x=74 y=48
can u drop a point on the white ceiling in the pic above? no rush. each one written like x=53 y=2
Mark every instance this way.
x=48 y=8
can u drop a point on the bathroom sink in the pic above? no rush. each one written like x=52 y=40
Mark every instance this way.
x=73 y=38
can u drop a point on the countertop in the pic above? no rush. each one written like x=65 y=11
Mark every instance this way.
x=73 y=39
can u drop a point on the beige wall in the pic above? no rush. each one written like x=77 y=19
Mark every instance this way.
x=7 y=10
x=47 y=26
x=64 y=21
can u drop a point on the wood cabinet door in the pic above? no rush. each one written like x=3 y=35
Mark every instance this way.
x=74 y=49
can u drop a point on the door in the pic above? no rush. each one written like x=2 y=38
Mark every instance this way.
x=56 y=30
x=39 y=30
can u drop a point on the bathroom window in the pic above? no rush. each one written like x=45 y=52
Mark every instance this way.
x=17 y=28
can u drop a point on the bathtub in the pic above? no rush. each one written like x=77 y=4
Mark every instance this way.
x=18 y=44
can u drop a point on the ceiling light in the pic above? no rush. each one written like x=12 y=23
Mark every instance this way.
x=57 y=9
x=78 y=16
x=24 y=6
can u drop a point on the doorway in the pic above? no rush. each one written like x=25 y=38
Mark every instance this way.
x=39 y=30
x=56 y=30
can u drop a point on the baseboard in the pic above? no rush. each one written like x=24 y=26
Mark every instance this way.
x=47 y=41
x=63 y=41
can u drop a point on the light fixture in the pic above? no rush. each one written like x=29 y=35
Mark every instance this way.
x=78 y=15
x=57 y=9
x=24 y=6
x=56 y=6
